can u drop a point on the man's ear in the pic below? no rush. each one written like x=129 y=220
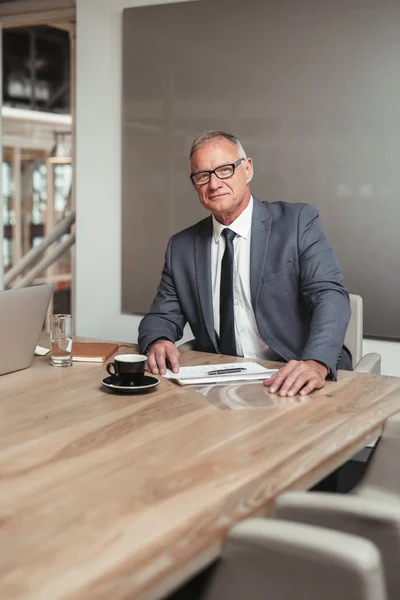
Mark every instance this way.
x=249 y=169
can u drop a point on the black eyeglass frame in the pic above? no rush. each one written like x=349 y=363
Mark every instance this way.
x=233 y=165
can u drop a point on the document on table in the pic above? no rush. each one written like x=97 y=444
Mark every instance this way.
x=40 y=351
x=199 y=374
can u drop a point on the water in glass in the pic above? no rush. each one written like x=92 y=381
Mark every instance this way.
x=61 y=352
x=61 y=340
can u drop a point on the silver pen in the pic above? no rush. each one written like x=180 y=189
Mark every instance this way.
x=226 y=371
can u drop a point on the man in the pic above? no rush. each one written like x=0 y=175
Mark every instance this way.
x=254 y=279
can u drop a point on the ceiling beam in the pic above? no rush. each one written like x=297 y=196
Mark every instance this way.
x=36 y=12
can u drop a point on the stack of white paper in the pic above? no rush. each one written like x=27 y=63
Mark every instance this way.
x=199 y=374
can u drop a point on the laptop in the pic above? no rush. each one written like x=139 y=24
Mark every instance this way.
x=22 y=314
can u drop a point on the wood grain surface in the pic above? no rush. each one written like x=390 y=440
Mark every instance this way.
x=121 y=497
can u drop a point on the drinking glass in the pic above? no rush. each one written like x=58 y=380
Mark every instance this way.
x=61 y=340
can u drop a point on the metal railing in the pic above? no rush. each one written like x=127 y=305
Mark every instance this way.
x=34 y=253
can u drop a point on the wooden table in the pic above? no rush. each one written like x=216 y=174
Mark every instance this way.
x=114 y=497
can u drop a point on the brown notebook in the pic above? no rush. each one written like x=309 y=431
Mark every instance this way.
x=93 y=351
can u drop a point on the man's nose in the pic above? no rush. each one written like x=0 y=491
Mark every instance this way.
x=215 y=182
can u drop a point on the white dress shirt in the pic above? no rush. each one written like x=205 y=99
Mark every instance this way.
x=248 y=340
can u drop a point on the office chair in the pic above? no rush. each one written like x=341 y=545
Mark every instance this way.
x=381 y=479
x=266 y=558
x=371 y=510
x=369 y=363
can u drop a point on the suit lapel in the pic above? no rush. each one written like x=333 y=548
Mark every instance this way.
x=203 y=275
x=260 y=232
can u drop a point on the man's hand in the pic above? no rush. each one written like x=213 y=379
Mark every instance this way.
x=161 y=353
x=298 y=376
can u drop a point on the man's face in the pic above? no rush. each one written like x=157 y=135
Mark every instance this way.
x=225 y=198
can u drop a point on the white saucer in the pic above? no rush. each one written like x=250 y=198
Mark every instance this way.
x=113 y=385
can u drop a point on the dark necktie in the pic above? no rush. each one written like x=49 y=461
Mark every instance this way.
x=227 y=342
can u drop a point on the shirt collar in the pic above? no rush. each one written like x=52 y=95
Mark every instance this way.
x=241 y=226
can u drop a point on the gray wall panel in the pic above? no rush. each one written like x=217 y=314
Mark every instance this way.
x=312 y=89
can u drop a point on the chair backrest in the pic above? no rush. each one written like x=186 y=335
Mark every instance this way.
x=267 y=558
x=375 y=519
x=354 y=334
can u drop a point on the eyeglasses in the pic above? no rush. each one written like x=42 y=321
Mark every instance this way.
x=222 y=172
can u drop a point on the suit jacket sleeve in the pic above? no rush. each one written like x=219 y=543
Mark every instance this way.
x=165 y=319
x=321 y=285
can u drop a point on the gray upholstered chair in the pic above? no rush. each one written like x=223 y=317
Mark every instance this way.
x=266 y=558
x=381 y=480
x=369 y=363
x=371 y=510
x=378 y=522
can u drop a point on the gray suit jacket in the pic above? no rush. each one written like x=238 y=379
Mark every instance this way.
x=300 y=304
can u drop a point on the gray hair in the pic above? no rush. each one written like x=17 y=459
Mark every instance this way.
x=209 y=136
